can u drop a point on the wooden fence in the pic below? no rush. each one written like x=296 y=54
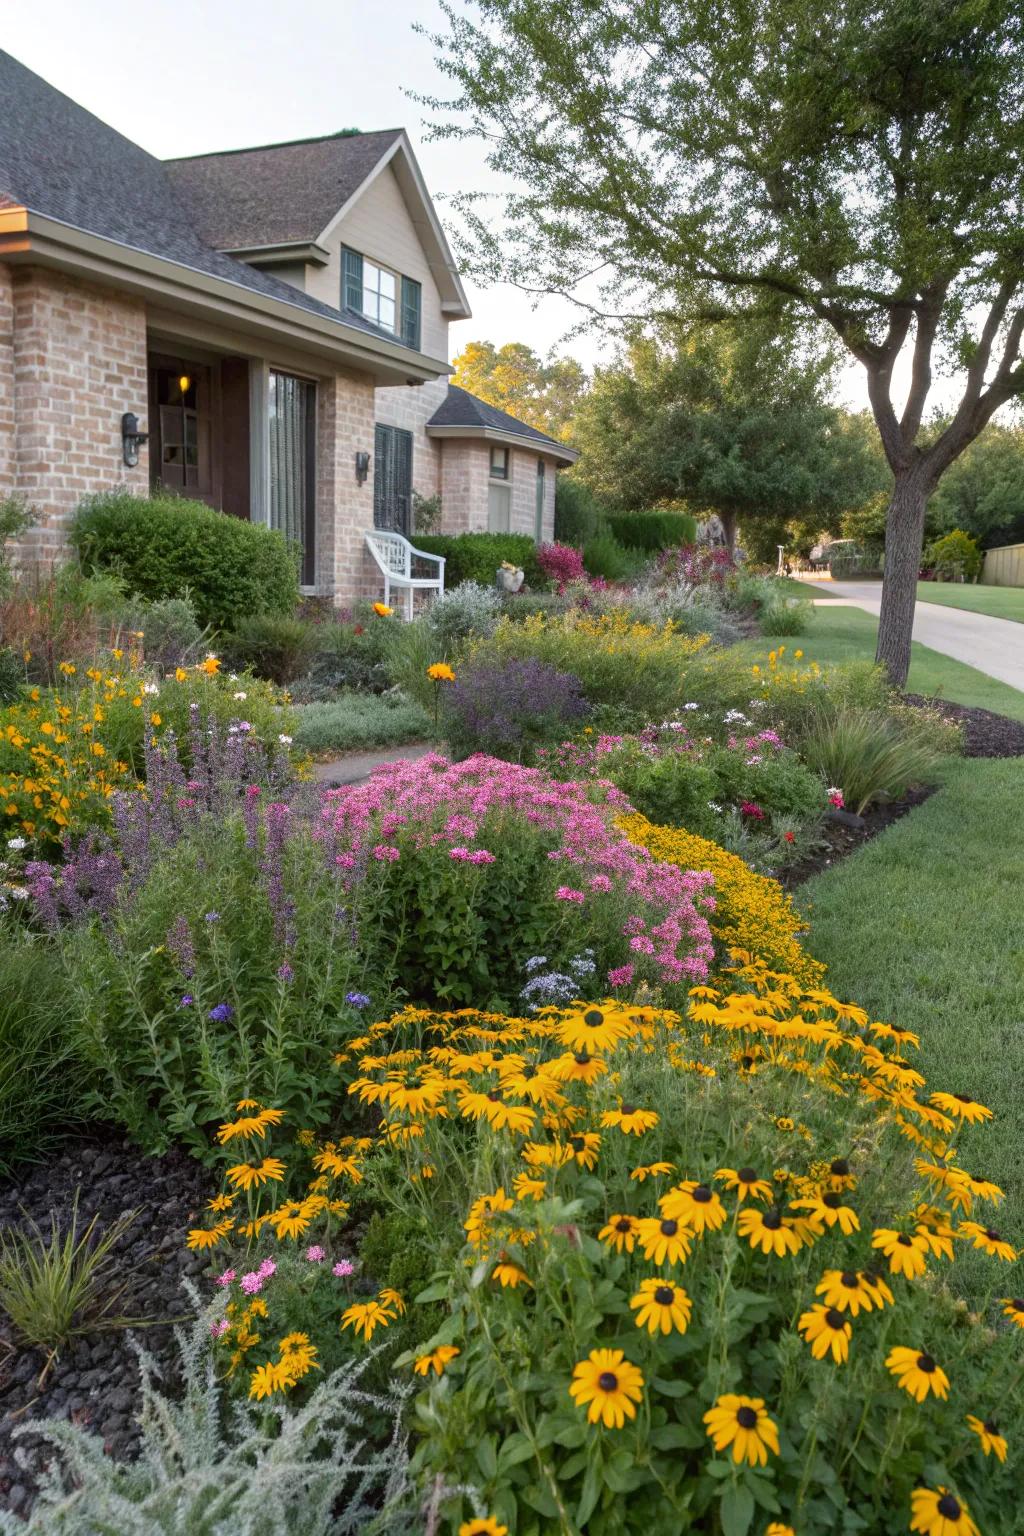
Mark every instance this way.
x=1004 y=567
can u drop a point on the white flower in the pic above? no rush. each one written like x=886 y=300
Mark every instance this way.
x=19 y=892
x=734 y=717
x=712 y=806
x=241 y=695
x=150 y=688
x=17 y=843
x=691 y=706
x=285 y=741
x=232 y=677
x=832 y=790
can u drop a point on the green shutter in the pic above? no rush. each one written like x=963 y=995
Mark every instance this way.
x=411 y=304
x=351 y=280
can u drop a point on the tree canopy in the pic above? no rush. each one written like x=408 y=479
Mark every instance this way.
x=515 y=379
x=859 y=162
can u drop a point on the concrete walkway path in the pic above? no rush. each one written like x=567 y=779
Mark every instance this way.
x=994 y=646
x=356 y=767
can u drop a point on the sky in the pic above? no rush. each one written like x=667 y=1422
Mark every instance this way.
x=183 y=77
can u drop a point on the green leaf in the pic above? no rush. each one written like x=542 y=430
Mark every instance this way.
x=487 y=1457
x=514 y=1449
x=737 y=1509
x=590 y=1494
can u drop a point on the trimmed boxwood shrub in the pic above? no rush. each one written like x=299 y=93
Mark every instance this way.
x=163 y=544
x=652 y=530
x=477 y=556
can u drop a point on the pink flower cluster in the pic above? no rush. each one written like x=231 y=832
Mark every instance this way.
x=435 y=801
x=561 y=563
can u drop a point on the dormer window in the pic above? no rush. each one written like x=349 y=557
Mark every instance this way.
x=382 y=296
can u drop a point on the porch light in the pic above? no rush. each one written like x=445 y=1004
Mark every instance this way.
x=362 y=467
x=185 y=384
x=131 y=438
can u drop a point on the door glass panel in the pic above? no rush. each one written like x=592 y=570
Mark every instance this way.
x=292 y=405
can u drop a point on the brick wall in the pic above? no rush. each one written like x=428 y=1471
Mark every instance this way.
x=78 y=359
x=465 y=480
x=345 y=568
x=7 y=419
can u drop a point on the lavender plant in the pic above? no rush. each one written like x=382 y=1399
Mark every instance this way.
x=511 y=707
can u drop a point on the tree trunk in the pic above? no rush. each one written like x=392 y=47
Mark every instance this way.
x=904 y=533
x=728 y=522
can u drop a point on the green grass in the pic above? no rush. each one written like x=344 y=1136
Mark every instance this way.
x=921 y=927
x=848 y=634
x=793 y=588
x=997 y=602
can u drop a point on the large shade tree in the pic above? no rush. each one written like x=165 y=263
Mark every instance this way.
x=861 y=160
x=515 y=379
x=731 y=420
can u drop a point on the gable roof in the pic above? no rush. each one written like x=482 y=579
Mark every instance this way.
x=276 y=194
x=60 y=162
x=461 y=414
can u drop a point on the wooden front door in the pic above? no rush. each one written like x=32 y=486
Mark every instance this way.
x=181 y=417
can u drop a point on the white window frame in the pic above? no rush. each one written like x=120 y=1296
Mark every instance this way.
x=372 y=310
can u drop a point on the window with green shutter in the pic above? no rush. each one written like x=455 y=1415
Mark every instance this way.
x=412 y=304
x=351 y=280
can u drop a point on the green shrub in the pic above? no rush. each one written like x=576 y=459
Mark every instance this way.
x=956 y=555
x=868 y=755
x=12 y=675
x=171 y=633
x=360 y=720
x=652 y=531
x=349 y=654
x=16 y=517
x=273 y=646
x=43 y=1077
x=577 y=515
x=192 y=699
x=409 y=649
x=164 y=545
x=605 y=556
x=477 y=556
x=782 y=616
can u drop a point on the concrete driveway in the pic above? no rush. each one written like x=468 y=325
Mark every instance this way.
x=995 y=646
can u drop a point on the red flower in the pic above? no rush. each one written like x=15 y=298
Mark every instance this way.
x=358 y=630
x=790 y=837
x=752 y=809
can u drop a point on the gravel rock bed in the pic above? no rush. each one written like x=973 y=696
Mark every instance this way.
x=95 y=1378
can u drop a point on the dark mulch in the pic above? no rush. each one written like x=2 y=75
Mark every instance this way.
x=985 y=734
x=95 y=1379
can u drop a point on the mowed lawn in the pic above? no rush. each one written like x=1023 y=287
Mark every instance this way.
x=844 y=634
x=923 y=928
x=997 y=602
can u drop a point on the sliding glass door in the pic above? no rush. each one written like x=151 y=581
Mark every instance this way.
x=292 y=414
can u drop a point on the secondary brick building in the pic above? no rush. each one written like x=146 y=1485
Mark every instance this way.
x=265 y=330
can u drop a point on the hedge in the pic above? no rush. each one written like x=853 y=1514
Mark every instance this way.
x=477 y=556
x=652 y=531
x=163 y=544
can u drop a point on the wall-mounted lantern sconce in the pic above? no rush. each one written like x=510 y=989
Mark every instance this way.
x=362 y=468
x=131 y=438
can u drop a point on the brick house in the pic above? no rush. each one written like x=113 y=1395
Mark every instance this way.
x=275 y=320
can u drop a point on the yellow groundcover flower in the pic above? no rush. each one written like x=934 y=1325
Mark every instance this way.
x=661 y=1306
x=987 y=1430
x=768 y=1231
x=742 y=1423
x=695 y=1205
x=252 y=1175
x=437 y=1360
x=938 y=1512
x=917 y=1373
x=620 y=1232
x=611 y=1386
x=826 y=1329
x=853 y=1290
x=746 y=1183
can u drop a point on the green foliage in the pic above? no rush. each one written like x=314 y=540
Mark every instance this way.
x=273 y=646
x=257 y=1470
x=983 y=491
x=512 y=377
x=605 y=556
x=868 y=756
x=477 y=556
x=469 y=609
x=577 y=515
x=42 y=1075
x=190 y=701
x=348 y=654
x=12 y=675
x=16 y=517
x=426 y=512
x=171 y=633
x=408 y=650
x=164 y=546
x=651 y=530
x=955 y=556
x=360 y=720
x=781 y=616
x=54 y=1287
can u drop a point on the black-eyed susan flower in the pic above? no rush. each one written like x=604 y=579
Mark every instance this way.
x=482 y=1525
x=578 y=1067
x=510 y=1275
x=268 y=1378
x=988 y=1240
x=1013 y=1308
x=292 y=1219
x=938 y=1512
x=665 y=1240
x=594 y=1029
x=984 y=1189
x=392 y=1298
x=993 y=1442
x=365 y=1316
x=917 y=1372
x=906 y=1254
x=482 y=1214
x=220 y=1203
x=651 y=1171
x=853 y=1291
x=746 y=1183
x=528 y=1187
x=776 y=1528
x=697 y=1206
x=768 y=1231
x=610 y=1385
x=584 y=1147
x=661 y=1306
x=437 y=1360
x=200 y=1238
x=629 y=1119
x=840 y=1175
x=253 y=1175
x=962 y=1106
x=247 y=1125
x=830 y=1209
x=742 y=1423
x=933 y=1225
x=620 y=1232
x=825 y=1329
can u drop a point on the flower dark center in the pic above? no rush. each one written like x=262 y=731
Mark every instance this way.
x=530 y=1071
x=1017 y=1304
x=747 y=1176
x=664 y=1295
x=833 y=1201
x=840 y=1168
x=608 y=1381
x=964 y=1098
x=990 y=1427
x=576 y=1142
x=746 y=1418
x=948 y=1507
x=582 y=1059
x=594 y=1017
x=926 y=1363
x=628 y=1109
x=993 y=1236
x=835 y=1319
x=747 y=1062
x=670 y=1228
x=494 y=1096
x=904 y=1241
x=624 y=1224
x=701 y=1194
x=773 y=1219
x=850 y=1279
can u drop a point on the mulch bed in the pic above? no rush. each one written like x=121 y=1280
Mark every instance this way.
x=94 y=1381
x=985 y=734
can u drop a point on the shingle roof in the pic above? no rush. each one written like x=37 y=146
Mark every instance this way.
x=58 y=160
x=275 y=194
x=461 y=409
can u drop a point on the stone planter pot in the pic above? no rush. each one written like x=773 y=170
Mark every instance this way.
x=508 y=581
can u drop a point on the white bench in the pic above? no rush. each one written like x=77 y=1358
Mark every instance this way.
x=394 y=555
